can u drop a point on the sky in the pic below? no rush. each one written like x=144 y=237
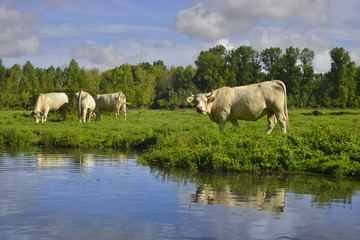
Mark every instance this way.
x=104 y=34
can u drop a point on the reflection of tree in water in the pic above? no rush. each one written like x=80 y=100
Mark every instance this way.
x=264 y=190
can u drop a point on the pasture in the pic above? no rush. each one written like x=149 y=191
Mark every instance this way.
x=319 y=141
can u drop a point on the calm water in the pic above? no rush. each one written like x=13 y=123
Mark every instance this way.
x=108 y=196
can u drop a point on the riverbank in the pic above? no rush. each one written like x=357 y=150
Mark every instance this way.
x=319 y=141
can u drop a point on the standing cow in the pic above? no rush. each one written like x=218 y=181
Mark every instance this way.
x=84 y=104
x=110 y=102
x=249 y=103
x=50 y=102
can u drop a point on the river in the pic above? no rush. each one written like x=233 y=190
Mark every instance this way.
x=107 y=195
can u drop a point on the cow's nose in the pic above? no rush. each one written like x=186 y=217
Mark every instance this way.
x=199 y=108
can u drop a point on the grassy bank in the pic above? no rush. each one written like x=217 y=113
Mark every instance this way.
x=321 y=141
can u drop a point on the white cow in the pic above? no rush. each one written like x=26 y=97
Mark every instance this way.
x=249 y=103
x=110 y=102
x=50 y=102
x=84 y=104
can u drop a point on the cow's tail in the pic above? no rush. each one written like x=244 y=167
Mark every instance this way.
x=285 y=103
x=79 y=103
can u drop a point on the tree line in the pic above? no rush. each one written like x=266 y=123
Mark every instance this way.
x=157 y=86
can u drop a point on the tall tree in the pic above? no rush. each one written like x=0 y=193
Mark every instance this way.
x=291 y=74
x=123 y=80
x=342 y=78
x=210 y=69
x=29 y=85
x=272 y=60
x=245 y=63
x=144 y=87
x=58 y=80
x=11 y=87
x=74 y=78
x=307 y=80
x=163 y=83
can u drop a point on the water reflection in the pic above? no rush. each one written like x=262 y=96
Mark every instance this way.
x=107 y=195
x=271 y=201
x=266 y=192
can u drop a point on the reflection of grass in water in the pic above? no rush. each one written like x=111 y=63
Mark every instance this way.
x=325 y=142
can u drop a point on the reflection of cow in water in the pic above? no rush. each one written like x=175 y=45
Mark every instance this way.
x=259 y=200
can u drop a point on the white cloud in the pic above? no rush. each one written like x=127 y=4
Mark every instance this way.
x=218 y=19
x=105 y=58
x=17 y=31
x=278 y=37
x=322 y=61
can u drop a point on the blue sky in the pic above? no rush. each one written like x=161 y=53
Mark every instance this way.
x=108 y=33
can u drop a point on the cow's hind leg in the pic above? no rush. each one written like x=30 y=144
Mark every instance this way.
x=235 y=123
x=271 y=122
x=282 y=120
x=84 y=114
x=123 y=109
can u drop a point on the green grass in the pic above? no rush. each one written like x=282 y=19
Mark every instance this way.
x=319 y=141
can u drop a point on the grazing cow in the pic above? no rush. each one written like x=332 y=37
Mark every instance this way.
x=84 y=104
x=110 y=102
x=50 y=102
x=249 y=103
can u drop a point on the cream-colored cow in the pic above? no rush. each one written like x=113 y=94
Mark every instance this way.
x=249 y=103
x=50 y=102
x=84 y=104
x=110 y=102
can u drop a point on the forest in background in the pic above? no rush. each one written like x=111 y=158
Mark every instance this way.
x=155 y=85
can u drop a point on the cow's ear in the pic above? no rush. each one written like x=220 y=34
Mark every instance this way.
x=190 y=99
x=211 y=99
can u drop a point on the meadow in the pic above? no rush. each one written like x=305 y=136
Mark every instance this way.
x=319 y=141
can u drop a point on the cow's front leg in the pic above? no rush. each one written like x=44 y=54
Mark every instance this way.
x=44 y=116
x=222 y=120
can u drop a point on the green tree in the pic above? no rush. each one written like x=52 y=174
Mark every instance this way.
x=105 y=85
x=74 y=78
x=58 y=80
x=144 y=87
x=163 y=84
x=342 y=78
x=11 y=87
x=123 y=81
x=291 y=74
x=307 y=80
x=272 y=60
x=210 y=69
x=245 y=64
x=29 y=85
x=357 y=81
x=3 y=72
x=92 y=81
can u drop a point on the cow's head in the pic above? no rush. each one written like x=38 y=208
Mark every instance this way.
x=36 y=115
x=203 y=102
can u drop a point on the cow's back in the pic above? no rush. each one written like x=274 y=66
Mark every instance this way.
x=52 y=101
x=106 y=102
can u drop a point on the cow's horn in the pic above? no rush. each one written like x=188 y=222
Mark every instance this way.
x=209 y=95
x=192 y=94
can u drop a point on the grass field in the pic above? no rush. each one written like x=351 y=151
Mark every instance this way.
x=319 y=141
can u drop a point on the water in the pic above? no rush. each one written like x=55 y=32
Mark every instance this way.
x=109 y=196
